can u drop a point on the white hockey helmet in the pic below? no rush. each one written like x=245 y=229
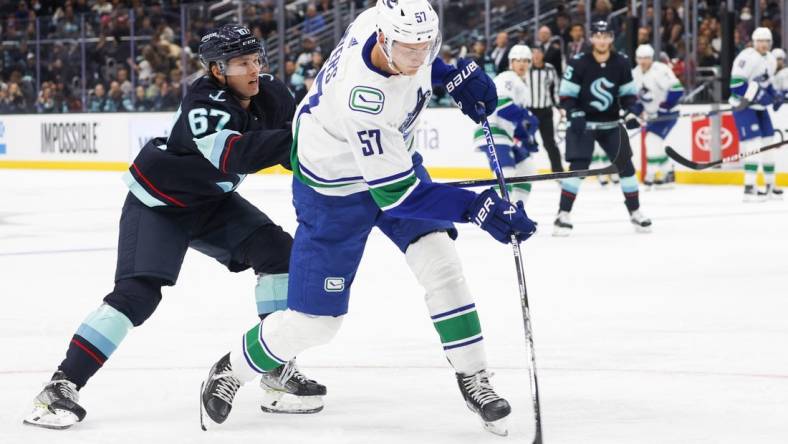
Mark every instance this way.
x=778 y=54
x=409 y=22
x=644 y=52
x=762 y=34
x=520 y=52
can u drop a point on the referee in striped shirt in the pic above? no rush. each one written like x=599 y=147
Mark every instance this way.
x=542 y=84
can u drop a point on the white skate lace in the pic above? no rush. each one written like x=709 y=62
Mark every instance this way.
x=479 y=388
x=226 y=385
x=289 y=371
x=65 y=389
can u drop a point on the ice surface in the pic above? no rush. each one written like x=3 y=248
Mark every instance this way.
x=678 y=336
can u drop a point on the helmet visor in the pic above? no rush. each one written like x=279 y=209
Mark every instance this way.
x=410 y=57
x=249 y=64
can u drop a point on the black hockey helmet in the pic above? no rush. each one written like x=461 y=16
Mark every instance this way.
x=226 y=42
x=601 y=26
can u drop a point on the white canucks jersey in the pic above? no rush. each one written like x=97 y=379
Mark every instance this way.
x=354 y=129
x=781 y=80
x=511 y=90
x=654 y=85
x=751 y=71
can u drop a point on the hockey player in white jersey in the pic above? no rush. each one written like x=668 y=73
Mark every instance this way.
x=781 y=77
x=513 y=126
x=356 y=167
x=751 y=84
x=659 y=91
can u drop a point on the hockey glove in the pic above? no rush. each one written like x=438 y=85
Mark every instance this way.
x=631 y=116
x=468 y=85
x=779 y=98
x=577 y=122
x=765 y=96
x=500 y=218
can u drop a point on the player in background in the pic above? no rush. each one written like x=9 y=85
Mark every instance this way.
x=595 y=88
x=513 y=126
x=781 y=77
x=659 y=92
x=751 y=85
x=232 y=122
x=355 y=167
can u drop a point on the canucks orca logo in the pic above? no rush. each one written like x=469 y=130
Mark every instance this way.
x=605 y=99
x=422 y=97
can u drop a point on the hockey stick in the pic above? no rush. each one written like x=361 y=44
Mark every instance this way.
x=681 y=160
x=609 y=169
x=742 y=105
x=518 y=261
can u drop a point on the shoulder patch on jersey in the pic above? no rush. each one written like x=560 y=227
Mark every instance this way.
x=217 y=97
x=366 y=99
x=579 y=55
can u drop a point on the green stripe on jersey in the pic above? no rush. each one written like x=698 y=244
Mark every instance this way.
x=390 y=195
x=504 y=101
x=296 y=167
x=459 y=327
x=256 y=352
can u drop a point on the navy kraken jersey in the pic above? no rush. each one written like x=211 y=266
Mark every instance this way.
x=596 y=88
x=213 y=144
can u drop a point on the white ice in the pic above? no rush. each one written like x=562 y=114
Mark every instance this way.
x=678 y=336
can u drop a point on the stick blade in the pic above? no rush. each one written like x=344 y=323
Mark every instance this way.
x=681 y=160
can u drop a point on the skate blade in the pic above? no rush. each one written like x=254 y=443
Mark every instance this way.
x=203 y=425
x=561 y=232
x=275 y=401
x=498 y=427
x=48 y=419
x=641 y=229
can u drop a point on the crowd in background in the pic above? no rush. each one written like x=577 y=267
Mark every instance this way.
x=149 y=76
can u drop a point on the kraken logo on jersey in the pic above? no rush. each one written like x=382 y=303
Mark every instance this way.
x=598 y=91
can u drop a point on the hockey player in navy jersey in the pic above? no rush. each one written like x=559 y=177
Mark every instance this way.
x=233 y=121
x=356 y=166
x=596 y=86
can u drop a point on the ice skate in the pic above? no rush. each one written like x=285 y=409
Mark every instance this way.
x=562 y=226
x=218 y=391
x=56 y=406
x=640 y=221
x=771 y=192
x=752 y=195
x=482 y=400
x=287 y=390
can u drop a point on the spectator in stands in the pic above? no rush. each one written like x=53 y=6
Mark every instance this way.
x=308 y=46
x=313 y=21
x=5 y=105
x=479 y=54
x=561 y=27
x=141 y=102
x=16 y=99
x=578 y=15
x=265 y=25
x=578 y=43
x=500 y=53
x=706 y=55
x=97 y=100
x=551 y=47
x=644 y=36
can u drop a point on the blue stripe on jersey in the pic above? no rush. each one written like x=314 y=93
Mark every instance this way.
x=463 y=344
x=317 y=178
x=568 y=89
x=628 y=89
x=390 y=178
x=512 y=113
x=366 y=54
x=212 y=145
x=739 y=88
x=673 y=98
x=139 y=192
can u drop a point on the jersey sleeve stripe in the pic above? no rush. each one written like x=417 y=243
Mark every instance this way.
x=212 y=145
x=391 y=195
x=568 y=89
x=141 y=193
x=628 y=89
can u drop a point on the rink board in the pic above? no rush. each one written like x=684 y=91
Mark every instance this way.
x=109 y=142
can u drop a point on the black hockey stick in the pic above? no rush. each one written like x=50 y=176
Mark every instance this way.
x=681 y=160
x=518 y=262
x=609 y=169
x=742 y=105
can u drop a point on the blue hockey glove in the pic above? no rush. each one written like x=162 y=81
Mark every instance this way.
x=500 y=218
x=635 y=108
x=765 y=96
x=468 y=85
x=577 y=121
x=779 y=98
